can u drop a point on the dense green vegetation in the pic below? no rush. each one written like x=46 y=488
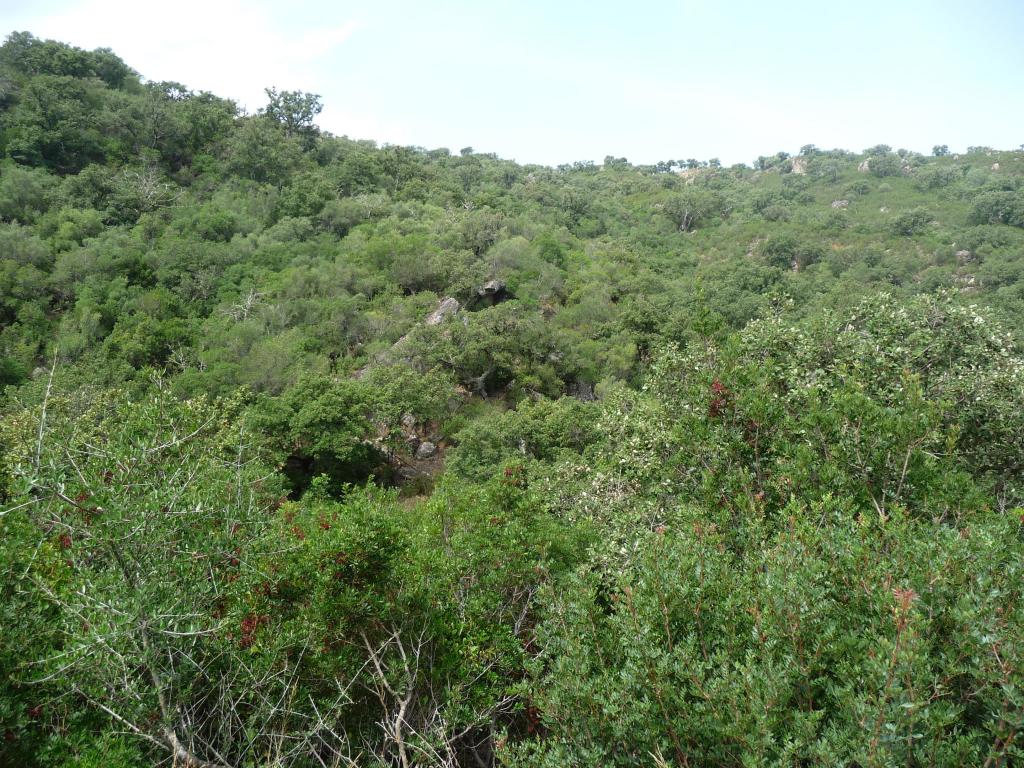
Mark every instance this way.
x=319 y=453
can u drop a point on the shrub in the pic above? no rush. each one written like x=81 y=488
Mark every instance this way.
x=885 y=165
x=911 y=222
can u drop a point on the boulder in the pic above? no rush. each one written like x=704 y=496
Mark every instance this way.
x=799 y=165
x=840 y=203
x=865 y=166
x=490 y=293
x=406 y=474
x=995 y=166
x=491 y=288
x=426 y=450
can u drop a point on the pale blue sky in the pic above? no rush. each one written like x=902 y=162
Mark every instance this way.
x=553 y=82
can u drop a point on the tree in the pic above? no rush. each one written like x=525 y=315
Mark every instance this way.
x=24 y=192
x=688 y=208
x=31 y=56
x=824 y=168
x=912 y=222
x=878 y=149
x=940 y=150
x=320 y=426
x=136 y=564
x=406 y=631
x=885 y=165
x=998 y=207
x=262 y=151
x=294 y=110
x=788 y=251
x=56 y=124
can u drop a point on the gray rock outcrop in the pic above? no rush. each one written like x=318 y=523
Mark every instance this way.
x=445 y=309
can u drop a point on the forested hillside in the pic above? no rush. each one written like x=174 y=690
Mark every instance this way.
x=315 y=452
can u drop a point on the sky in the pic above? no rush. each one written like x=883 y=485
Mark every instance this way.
x=557 y=81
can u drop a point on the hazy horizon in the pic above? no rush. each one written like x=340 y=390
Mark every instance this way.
x=582 y=81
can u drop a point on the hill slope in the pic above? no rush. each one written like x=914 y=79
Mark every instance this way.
x=316 y=452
